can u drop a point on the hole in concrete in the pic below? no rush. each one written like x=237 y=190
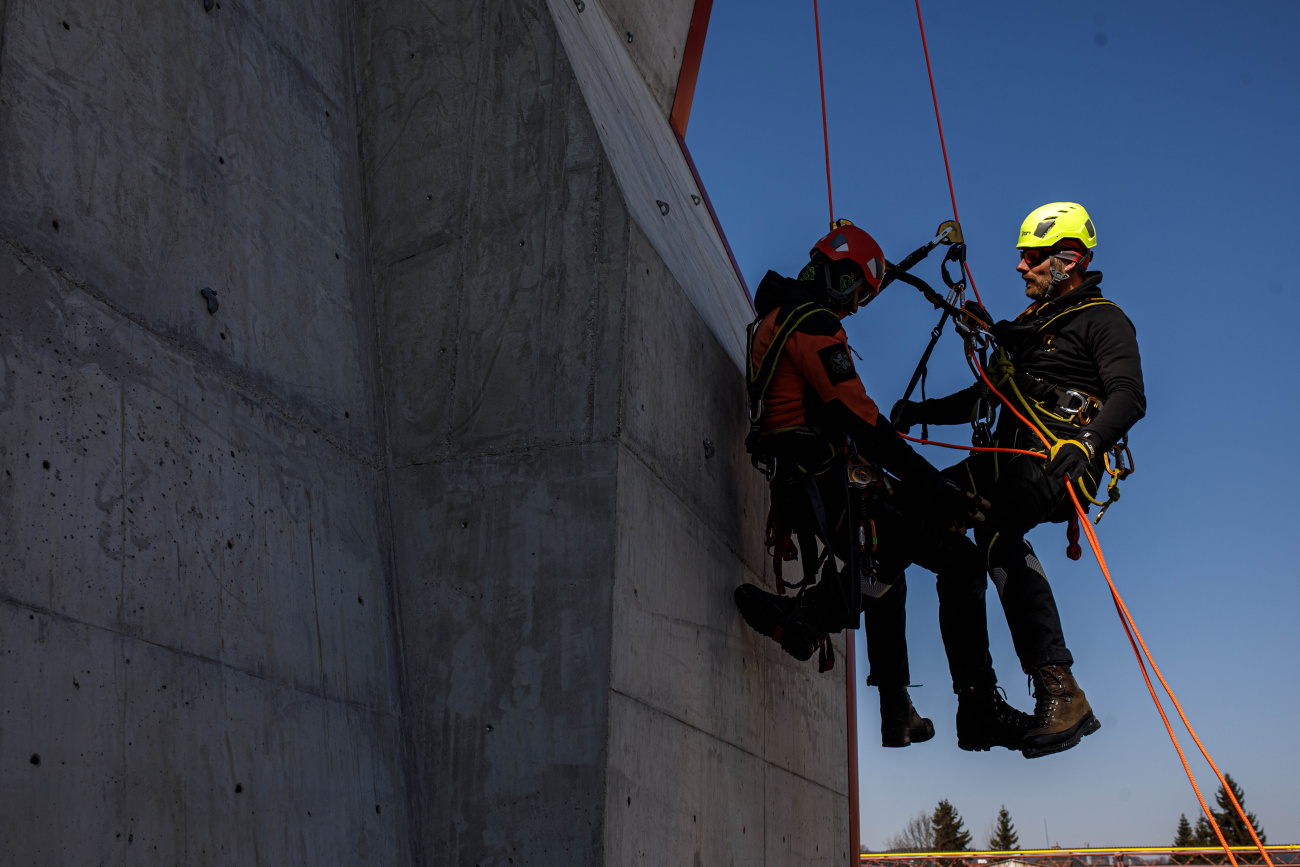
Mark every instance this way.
x=55 y=224
x=629 y=37
x=360 y=601
x=45 y=464
x=629 y=800
x=223 y=334
x=239 y=787
x=230 y=543
x=376 y=809
x=65 y=25
x=36 y=758
x=336 y=255
x=327 y=114
x=487 y=728
x=464 y=524
x=347 y=415
x=221 y=160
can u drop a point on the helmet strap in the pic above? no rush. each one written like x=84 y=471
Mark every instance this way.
x=1058 y=276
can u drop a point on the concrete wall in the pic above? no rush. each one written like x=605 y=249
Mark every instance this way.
x=411 y=552
x=195 y=623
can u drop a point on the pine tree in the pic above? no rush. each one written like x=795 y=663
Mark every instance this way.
x=950 y=834
x=1234 y=829
x=1204 y=834
x=1005 y=838
x=1184 y=837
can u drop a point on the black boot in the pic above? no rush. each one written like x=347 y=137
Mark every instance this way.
x=1062 y=715
x=784 y=619
x=900 y=724
x=985 y=720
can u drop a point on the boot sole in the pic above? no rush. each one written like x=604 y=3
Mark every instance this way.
x=764 y=618
x=926 y=733
x=1073 y=735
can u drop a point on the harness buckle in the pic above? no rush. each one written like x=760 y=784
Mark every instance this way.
x=1079 y=406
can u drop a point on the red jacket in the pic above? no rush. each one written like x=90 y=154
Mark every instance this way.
x=814 y=383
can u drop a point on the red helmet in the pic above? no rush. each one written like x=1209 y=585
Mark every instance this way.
x=847 y=241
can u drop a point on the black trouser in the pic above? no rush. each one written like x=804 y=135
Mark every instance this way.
x=1023 y=497
x=903 y=536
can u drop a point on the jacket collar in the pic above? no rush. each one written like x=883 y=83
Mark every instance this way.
x=1088 y=290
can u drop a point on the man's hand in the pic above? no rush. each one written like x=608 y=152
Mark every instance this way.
x=1070 y=458
x=904 y=415
x=976 y=311
x=956 y=509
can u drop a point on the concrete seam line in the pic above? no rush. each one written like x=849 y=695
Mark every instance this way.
x=643 y=703
x=6 y=599
x=232 y=376
x=503 y=451
x=700 y=519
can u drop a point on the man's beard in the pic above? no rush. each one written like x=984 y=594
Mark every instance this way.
x=1037 y=287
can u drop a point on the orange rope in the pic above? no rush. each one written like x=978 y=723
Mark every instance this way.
x=1130 y=628
x=826 y=138
x=944 y=147
x=973 y=448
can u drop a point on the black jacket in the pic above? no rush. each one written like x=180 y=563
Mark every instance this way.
x=1079 y=341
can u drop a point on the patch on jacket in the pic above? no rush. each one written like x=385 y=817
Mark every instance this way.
x=839 y=367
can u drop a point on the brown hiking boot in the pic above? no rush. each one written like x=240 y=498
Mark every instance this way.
x=985 y=720
x=900 y=724
x=1062 y=715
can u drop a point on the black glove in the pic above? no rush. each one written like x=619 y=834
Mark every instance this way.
x=1070 y=458
x=977 y=311
x=1010 y=336
x=954 y=508
x=904 y=415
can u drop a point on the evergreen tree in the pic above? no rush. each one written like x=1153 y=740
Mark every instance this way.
x=950 y=834
x=1234 y=829
x=1204 y=834
x=1005 y=837
x=1184 y=836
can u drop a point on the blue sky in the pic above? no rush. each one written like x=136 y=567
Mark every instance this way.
x=1176 y=126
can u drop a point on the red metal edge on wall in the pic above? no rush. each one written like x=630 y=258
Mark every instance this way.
x=678 y=119
x=681 y=114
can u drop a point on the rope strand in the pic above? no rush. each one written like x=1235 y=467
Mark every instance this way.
x=934 y=95
x=826 y=138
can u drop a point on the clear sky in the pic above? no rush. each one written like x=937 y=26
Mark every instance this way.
x=1175 y=125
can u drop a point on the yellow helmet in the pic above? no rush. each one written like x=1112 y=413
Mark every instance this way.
x=1051 y=224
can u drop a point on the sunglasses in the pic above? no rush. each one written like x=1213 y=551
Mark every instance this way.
x=1035 y=256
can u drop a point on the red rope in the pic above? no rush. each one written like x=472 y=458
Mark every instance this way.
x=826 y=139
x=944 y=147
x=973 y=448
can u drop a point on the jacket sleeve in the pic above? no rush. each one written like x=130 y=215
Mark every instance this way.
x=956 y=408
x=826 y=364
x=1113 y=343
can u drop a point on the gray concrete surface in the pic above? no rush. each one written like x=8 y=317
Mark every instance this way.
x=411 y=553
